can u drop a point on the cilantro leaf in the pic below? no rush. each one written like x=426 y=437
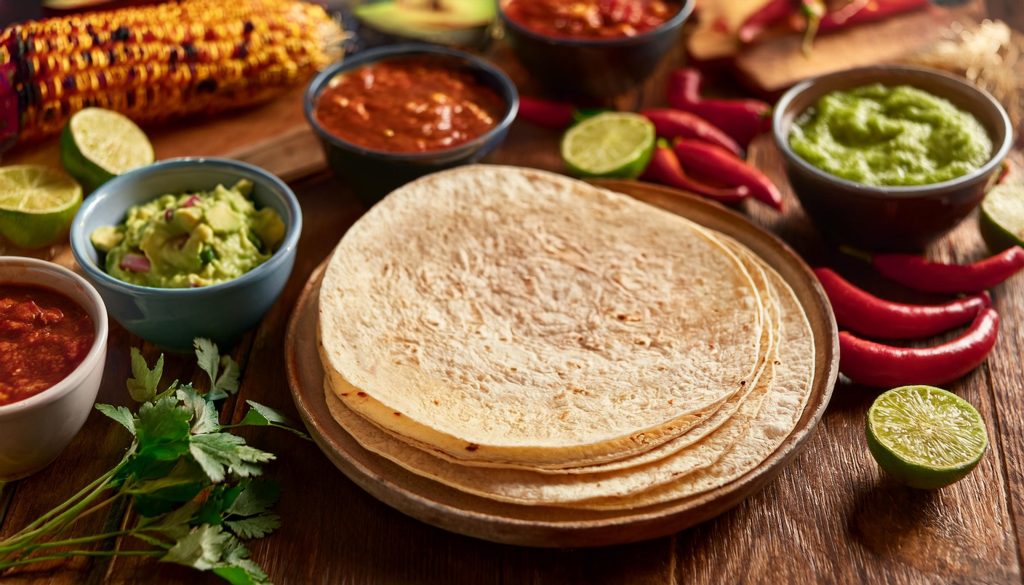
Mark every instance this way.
x=260 y=415
x=227 y=382
x=119 y=414
x=256 y=498
x=160 y=495
x=163 y=429
x=220 y=453
x=208 y=357
x=202 y=548
x=236 y=567
x=205 y=417
x=142 y=385
x=254 y=526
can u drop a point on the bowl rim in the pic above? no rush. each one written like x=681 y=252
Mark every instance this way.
x=80 y=240
x=686 y=8
x=317 y=84
x=97 y=353
x=898 y=191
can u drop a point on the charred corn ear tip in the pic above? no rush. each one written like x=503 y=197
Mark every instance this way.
x=165 y=60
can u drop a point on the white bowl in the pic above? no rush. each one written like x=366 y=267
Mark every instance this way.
x=35 y=430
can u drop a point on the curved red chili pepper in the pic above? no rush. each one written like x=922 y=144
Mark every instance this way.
x=721 y=164
x=664 y=168
x=670 y=123
x=918 y=273
x=741 y=119
x=868 y=12
x=556 y=115
x=775 y=11
x=865 y=313
x=885 y=366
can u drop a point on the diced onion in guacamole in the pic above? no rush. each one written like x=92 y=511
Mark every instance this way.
x=191 y=239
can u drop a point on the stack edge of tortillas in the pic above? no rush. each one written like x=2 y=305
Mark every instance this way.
x=532 y=339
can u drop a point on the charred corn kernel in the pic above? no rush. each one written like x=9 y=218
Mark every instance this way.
x=159 y=61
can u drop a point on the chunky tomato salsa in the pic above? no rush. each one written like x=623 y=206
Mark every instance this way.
x=44 y=335
x=408 y=104
x=590 y=19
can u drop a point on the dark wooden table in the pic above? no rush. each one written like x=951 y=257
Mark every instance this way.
x=831 y=517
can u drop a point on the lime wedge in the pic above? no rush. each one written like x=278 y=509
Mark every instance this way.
x=924 y=436
x=99 y=144
x=37 y=204
x=1002 y=217
x=610 y=145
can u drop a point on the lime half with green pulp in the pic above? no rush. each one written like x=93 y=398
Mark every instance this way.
x=37 y=204
x=1002 y=216
x=924 y=436
x=610 y=145
x=97 y=145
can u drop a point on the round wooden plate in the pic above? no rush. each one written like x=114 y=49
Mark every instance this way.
x=456 y=511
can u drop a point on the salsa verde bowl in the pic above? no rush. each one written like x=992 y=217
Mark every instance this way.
x=375 y=173
x=593 y=70
x=37 y=428
x=890 y=217
x=172 y=317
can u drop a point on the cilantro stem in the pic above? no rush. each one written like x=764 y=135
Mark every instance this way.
x=80 y=553
x=66 y=504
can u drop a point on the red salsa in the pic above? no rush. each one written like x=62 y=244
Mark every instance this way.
x=408 y=104
x=590 y=19
x=44 y=335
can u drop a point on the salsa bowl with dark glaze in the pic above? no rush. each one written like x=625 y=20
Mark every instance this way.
x=592 y=70
x=890 y=217
x=38 y=427
x=172 y=317
x=373 y=171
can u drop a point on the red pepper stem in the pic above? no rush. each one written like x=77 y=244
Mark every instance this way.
x=856 y=253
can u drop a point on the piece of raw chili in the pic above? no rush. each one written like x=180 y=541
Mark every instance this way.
x=921 y=274
x=549 y=114
x=813 y=11
x=671 y=123
x=664 y=168
x=774 y=12
x=714 y=162
x=885 y=366
x=860 y=311
x=861 y=11
x=741 y=119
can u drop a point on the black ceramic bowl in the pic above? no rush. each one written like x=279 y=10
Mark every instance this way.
x=374 y=173
x=593 y=70
x=887 y=217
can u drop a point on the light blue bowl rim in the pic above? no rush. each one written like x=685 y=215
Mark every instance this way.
x=317 y=84
x=685 y=9
x=79 y=239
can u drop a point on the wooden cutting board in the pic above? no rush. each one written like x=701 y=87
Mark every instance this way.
x=772 y=66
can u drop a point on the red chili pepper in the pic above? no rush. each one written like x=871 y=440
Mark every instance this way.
x=865 y=313
x=710 y=160
x=669 y=123
x=774 y=12
x=556 y=115
x=868 y=11
x=664 y=168
x=741 y=119
x=886 y=366
x=918 y=273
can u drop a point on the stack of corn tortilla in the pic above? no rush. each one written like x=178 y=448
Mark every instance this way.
x=536 y=340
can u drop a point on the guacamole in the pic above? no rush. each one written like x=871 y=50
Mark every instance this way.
x=192 y=239
x=879 y=135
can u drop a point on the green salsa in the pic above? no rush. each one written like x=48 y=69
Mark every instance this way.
x=191 y=239
x=880 y=135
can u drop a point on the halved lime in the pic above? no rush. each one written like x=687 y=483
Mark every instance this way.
x=1002 y=217
x=924 y=436
x=37 y=204
x=99 y=144
x=611 y=145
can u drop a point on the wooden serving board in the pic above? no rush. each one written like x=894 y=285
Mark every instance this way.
x=456 y=511
x=771 y=66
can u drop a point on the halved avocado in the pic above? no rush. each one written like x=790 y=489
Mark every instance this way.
x=457 y=22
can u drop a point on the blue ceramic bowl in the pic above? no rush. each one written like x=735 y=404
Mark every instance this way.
x=592 y=71
x=168 y=317
x=374 y=173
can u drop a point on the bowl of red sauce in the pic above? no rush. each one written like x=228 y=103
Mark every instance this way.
x=390 y=115
x=53 y=345
x=592 y=50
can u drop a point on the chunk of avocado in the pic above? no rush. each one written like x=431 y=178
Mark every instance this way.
x=222 y=219
x=104 y=238
x=187 y=218
x=268 y=227
x=427 y=20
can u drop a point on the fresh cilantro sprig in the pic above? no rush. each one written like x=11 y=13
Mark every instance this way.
x=192 y=483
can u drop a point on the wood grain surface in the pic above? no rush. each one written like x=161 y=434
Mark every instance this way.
x=831 y=516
